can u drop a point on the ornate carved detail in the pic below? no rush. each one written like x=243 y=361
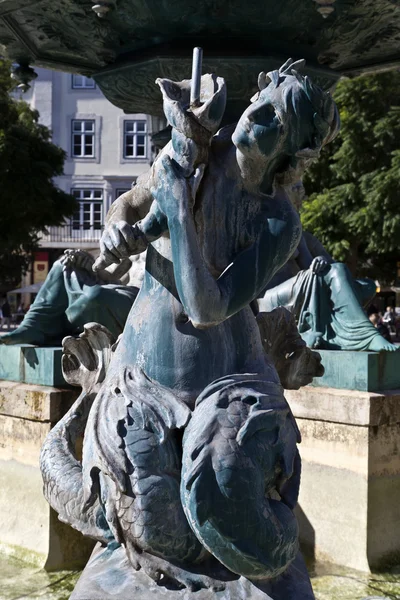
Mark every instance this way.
x=191 y=361
x=325 y=7
x=24 y=74
x=296 y=364
x=53 y=32
x=103 y=7
x=67 y=35
x=361 y=35
x=131 y=86
x=85 y=358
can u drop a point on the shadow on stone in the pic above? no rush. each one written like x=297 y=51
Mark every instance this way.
x=307 y=536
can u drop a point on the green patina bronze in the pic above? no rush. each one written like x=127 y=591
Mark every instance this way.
x=187 y=410
x=135 y=41
x=363 y=371
x=28 y=364
x=190 y=453
x=326 y=301
x=73 y=295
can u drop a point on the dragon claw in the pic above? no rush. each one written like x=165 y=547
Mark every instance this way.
x=170 y=575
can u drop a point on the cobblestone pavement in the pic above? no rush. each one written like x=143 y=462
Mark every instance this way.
x=336 y=583
x=21 y=582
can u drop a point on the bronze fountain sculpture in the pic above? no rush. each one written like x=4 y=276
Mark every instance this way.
x=184 y=417
x=190 y=468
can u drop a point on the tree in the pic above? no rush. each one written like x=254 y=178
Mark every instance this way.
x=354 y=189
x=30 y=202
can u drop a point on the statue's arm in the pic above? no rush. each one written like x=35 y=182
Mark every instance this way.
x=208 y=301
x=304 y=257
x=132 y=206
x=312 y=255
x=132 y=222
x=315 y=247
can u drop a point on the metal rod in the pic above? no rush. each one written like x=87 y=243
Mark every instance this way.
x=196 y=76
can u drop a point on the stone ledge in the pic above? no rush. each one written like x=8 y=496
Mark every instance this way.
x=31 y=364
x=349 y=510
x=364 y=371
x=35 y=402
x=22 y=439
x=29 y=528
x=350 y=407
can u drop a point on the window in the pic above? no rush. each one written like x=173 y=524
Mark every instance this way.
x=89 y=216
x=135 y=139
x=120 y=191
x=83 y=138
x=80 y=82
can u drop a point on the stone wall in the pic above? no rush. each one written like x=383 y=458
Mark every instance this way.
x=29 y=528
x=349 y=508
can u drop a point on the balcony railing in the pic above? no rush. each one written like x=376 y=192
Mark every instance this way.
x=67 y=233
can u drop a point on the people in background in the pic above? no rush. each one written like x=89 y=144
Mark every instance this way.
x=389 y=319
x=20 y=313
x=6 y=314
x=377 y=322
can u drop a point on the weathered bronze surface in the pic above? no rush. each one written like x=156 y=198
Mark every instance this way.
x=190 y=456
x=134 y=41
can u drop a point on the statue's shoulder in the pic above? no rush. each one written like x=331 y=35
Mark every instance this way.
x=222 y=140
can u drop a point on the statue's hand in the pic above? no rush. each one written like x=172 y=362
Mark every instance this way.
x=175 y=191
x=119 y=240
x=319 y=265
x=78 y=259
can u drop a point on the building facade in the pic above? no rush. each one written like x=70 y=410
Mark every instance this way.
x=106 y=151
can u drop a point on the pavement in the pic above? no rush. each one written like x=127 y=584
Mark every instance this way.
x=19 y=581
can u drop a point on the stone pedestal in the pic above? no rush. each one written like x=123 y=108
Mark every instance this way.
x=30 y=364
x=29 y=528
x=349 y=505
x=362 y=371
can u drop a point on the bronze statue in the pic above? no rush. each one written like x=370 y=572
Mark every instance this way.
x=190 y=453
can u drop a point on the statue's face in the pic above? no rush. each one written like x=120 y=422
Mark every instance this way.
x=277 y=125
x=260 y=127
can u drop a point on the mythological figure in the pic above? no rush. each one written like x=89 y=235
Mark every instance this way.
x=323 y=296
x=73 y=295
x=190 y=453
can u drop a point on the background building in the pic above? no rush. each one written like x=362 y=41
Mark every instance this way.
x=106 y=151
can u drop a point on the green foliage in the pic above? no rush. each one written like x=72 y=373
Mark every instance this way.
x=354 y=193
x=30 y=201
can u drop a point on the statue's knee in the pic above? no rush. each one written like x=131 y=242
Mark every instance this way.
x=57 y=268
x=88 y=307
x=94 y=295
x=338 y=268
x=336 y=272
